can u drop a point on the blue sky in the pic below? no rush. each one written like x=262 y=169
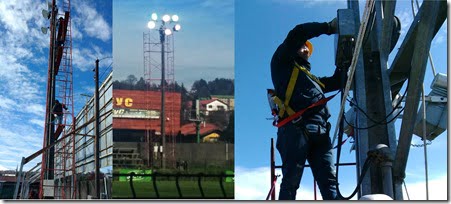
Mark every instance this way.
x=204 y=47
x=260 y=26
x=23 y=69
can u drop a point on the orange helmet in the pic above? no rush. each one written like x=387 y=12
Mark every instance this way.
x=310 y=47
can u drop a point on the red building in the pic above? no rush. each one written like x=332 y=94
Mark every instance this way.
x=137 y=111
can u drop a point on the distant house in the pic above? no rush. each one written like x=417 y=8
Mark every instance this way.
x=213 y=105
x=227 y=99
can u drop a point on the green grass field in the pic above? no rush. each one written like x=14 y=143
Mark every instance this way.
x=168 y=189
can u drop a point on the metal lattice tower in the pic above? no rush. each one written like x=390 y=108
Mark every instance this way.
x=58 y=166
x=152 y=77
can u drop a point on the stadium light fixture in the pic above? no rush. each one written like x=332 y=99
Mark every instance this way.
x=166 y=18
x=177 y=27
x=151 y=24
x=175 y=18
x=154 y=16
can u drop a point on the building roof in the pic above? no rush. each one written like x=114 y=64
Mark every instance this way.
x=7 y=179
x=205 y=128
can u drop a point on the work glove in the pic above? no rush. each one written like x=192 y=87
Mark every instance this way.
x=333 y=26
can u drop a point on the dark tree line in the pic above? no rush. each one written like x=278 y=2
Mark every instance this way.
x=200 y=89
x=219 y=86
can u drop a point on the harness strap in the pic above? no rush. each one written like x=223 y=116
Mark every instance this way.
x=284 y=106
x=309 y=74
x=299 y=113
x=288 y=94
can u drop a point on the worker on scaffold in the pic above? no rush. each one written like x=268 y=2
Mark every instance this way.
x=305 y=137
x=58 y=112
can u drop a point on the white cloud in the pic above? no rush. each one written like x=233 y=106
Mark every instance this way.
x=438 y=189
x=37 y=122
x=23 y=73
x=253 y=184
x=22 y=88
x=84 y=58
x=2 y=168
x=18 y=140
x=36 y=109
x=75 y=29
x=92 y=22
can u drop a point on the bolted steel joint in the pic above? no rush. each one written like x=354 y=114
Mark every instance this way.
x=381 y=153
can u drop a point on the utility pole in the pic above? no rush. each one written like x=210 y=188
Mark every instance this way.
x=163 y=115
x=97 y=134
x=197 y=120
x=48 y=156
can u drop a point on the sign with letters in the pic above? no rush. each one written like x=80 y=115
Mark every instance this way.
x=135 y=113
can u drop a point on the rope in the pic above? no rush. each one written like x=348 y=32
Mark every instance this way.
x=424 y=115
x=429 y=53
x=368 y=8
x=424 y=143
x=407 y=192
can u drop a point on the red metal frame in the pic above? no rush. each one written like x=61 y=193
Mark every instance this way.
x=152 y=76
x=64 y=155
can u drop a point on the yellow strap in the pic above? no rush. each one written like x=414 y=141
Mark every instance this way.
x=291 y=84
x=284 y=107
x=289 y=93
x=310 y=75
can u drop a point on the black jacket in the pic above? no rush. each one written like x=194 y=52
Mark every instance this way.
x=58 y=108
x=306 y=92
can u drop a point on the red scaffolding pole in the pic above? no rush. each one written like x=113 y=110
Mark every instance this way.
x=58 y=162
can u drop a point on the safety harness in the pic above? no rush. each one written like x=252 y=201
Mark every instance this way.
x=283 y=108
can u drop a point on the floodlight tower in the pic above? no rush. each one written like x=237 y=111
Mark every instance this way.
x=167 y=26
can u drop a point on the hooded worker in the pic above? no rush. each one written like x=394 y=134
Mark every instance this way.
x=58 y=112
x=297 y=90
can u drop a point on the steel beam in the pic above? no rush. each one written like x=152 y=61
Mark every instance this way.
x=401 y=67
x=421 y=45
x=361 y=136
x=384 y=27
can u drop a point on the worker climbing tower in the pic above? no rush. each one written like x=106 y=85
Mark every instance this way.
x=58 y=176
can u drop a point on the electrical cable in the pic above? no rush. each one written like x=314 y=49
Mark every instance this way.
x=364 y=168
x=381 y=122
x=106 y=71
x=376 y=124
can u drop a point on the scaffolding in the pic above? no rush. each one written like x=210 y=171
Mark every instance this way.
x=153 y=51
x=64 y=168
x=57 y=167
